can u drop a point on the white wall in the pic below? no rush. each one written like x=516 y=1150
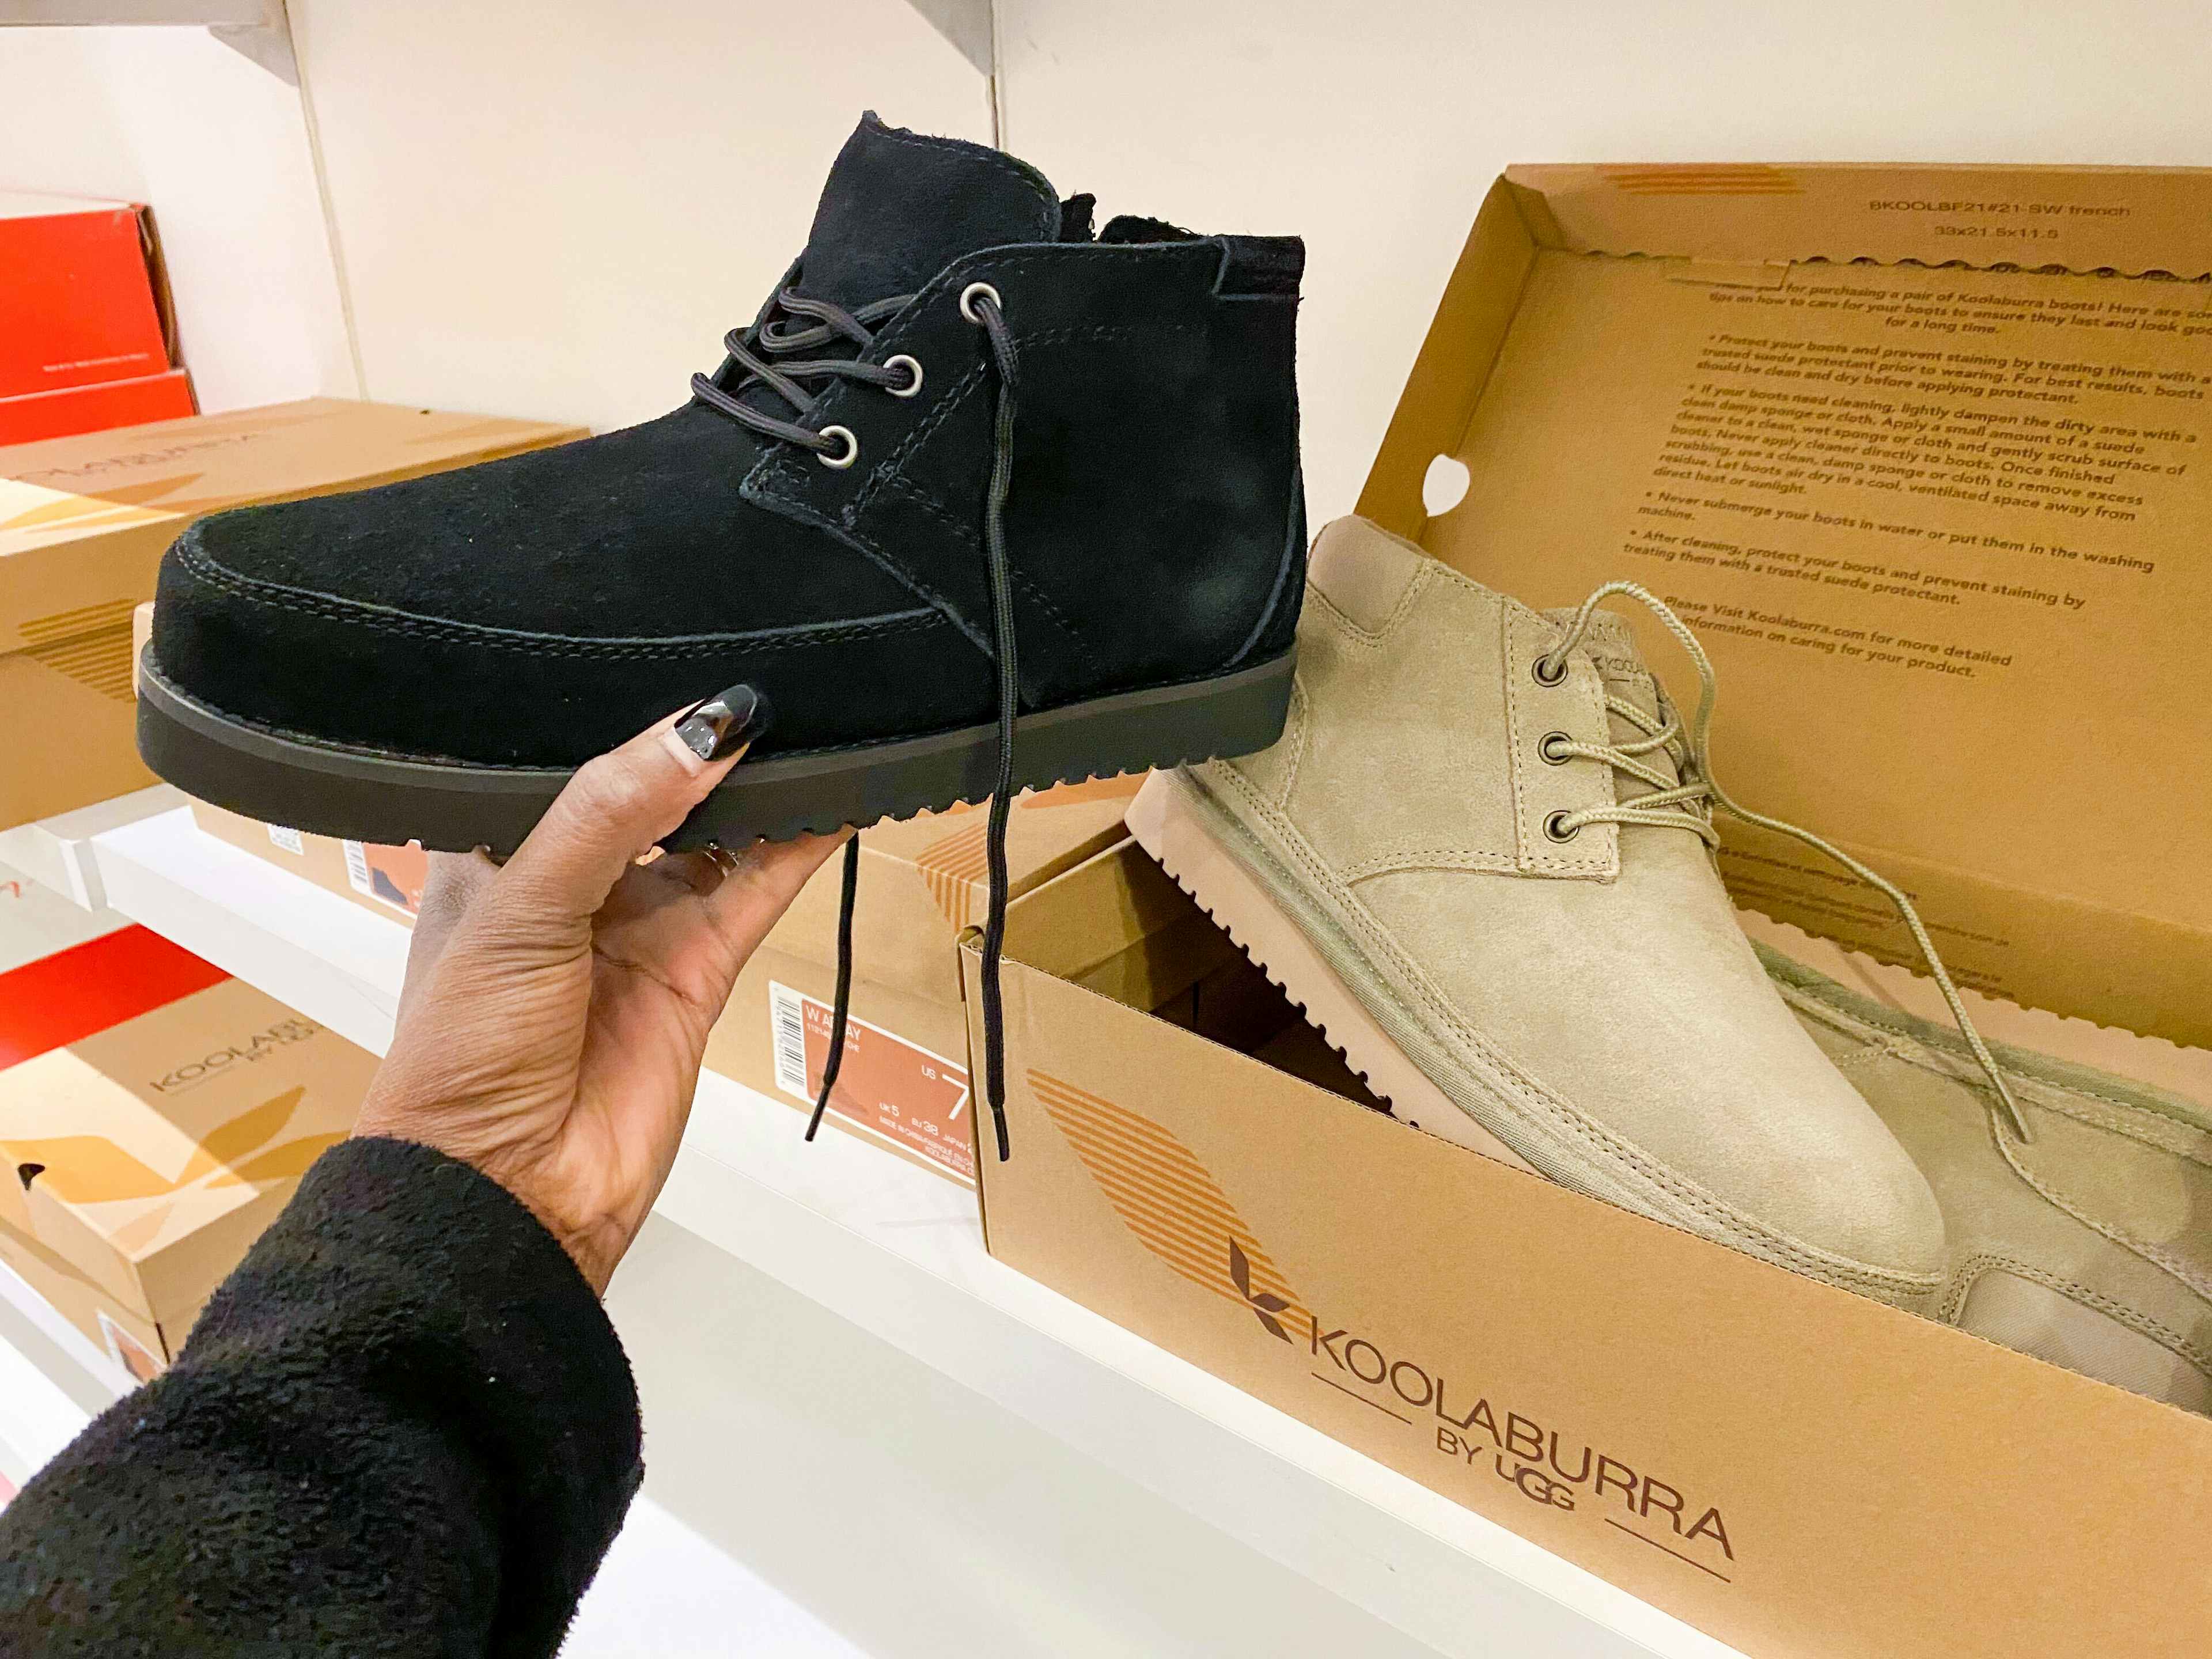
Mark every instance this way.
x=1373 y=128
x=557 y=208
x=171 y=117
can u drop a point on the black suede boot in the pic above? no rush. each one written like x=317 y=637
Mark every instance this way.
x=978 y=502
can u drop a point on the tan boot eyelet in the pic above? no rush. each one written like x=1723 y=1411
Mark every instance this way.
x=1557 y=673
x=1557 y=829
x=1549 y=751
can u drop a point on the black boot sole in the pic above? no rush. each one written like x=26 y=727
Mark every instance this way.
x=369 y=795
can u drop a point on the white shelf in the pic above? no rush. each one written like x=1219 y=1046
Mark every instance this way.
x=899 y=1252
x=57 y=851
x=52 y=1379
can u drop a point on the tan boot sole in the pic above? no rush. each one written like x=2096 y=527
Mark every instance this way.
x=1167 y=826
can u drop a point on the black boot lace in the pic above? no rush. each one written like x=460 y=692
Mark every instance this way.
x=771 y=336
x=752 y=350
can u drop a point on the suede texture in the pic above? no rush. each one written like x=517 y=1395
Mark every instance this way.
x=403 y=1427
x=2090 y=1246
x=940 y=197
x=1596 y=994
x=536 y=610
x=1156 y=515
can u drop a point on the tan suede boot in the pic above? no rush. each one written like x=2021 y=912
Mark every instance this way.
x=2089 y=1245
x=1479 y=859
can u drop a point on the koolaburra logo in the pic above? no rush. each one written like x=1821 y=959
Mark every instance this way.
x=243 y=1052
x=1518 y=1449
x=1180 y=1213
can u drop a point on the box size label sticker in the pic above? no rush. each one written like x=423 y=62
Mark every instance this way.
x=886 y=1084
x=390 y=875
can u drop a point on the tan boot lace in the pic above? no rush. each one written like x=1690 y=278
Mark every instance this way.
x=1688 y=804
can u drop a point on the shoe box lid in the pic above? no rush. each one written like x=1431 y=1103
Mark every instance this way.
x=81 y=287
x=1921 y=453
x=156 y=1114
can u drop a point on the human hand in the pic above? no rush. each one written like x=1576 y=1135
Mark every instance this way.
x=556 y=1009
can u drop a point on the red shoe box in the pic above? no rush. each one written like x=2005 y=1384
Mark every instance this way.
x=70 y=410
x=89 y=342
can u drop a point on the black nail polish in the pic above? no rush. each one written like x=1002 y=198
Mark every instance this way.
x=722 y=722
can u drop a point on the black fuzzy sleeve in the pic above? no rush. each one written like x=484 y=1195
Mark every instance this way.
x=403 y=1427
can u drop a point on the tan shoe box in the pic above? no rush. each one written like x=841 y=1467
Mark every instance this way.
x=83 y=523
x=156 y=1115
x=904 y=1081
x=1802 y=1472
x=143 y=1347
x=1951 y=643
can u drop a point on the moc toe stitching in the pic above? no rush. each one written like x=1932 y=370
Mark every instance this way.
x=387 y=619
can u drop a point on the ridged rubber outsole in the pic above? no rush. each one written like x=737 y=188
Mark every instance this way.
x=1166 y=824
x=367 y=795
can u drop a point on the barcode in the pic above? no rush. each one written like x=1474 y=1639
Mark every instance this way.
x=786 y=1030
x=358 y=869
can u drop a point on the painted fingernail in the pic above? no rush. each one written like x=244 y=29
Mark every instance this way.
x=724 y=721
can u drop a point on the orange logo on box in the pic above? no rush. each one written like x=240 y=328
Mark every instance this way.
x=1180 y=1213
x=952 y=867
x=92 y=1169
x=1167 y=1198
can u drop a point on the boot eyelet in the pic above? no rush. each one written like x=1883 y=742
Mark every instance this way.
x=914 y=375
x=1557 y=673
x=974 y=292
x=838 y=463
x=1555 y=828
x=1548 y=750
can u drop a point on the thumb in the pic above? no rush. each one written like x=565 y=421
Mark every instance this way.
x=617 y=807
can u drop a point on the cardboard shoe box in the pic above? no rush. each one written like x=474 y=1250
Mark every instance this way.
x=154 y=1116
x=84 y=521
x=1800 y=1472
x=1915 y=451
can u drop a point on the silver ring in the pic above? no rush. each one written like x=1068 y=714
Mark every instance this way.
x=974 y=292
x=913 y=368
x=839 y=462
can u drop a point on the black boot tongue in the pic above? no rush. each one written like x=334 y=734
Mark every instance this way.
x=900 y=206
